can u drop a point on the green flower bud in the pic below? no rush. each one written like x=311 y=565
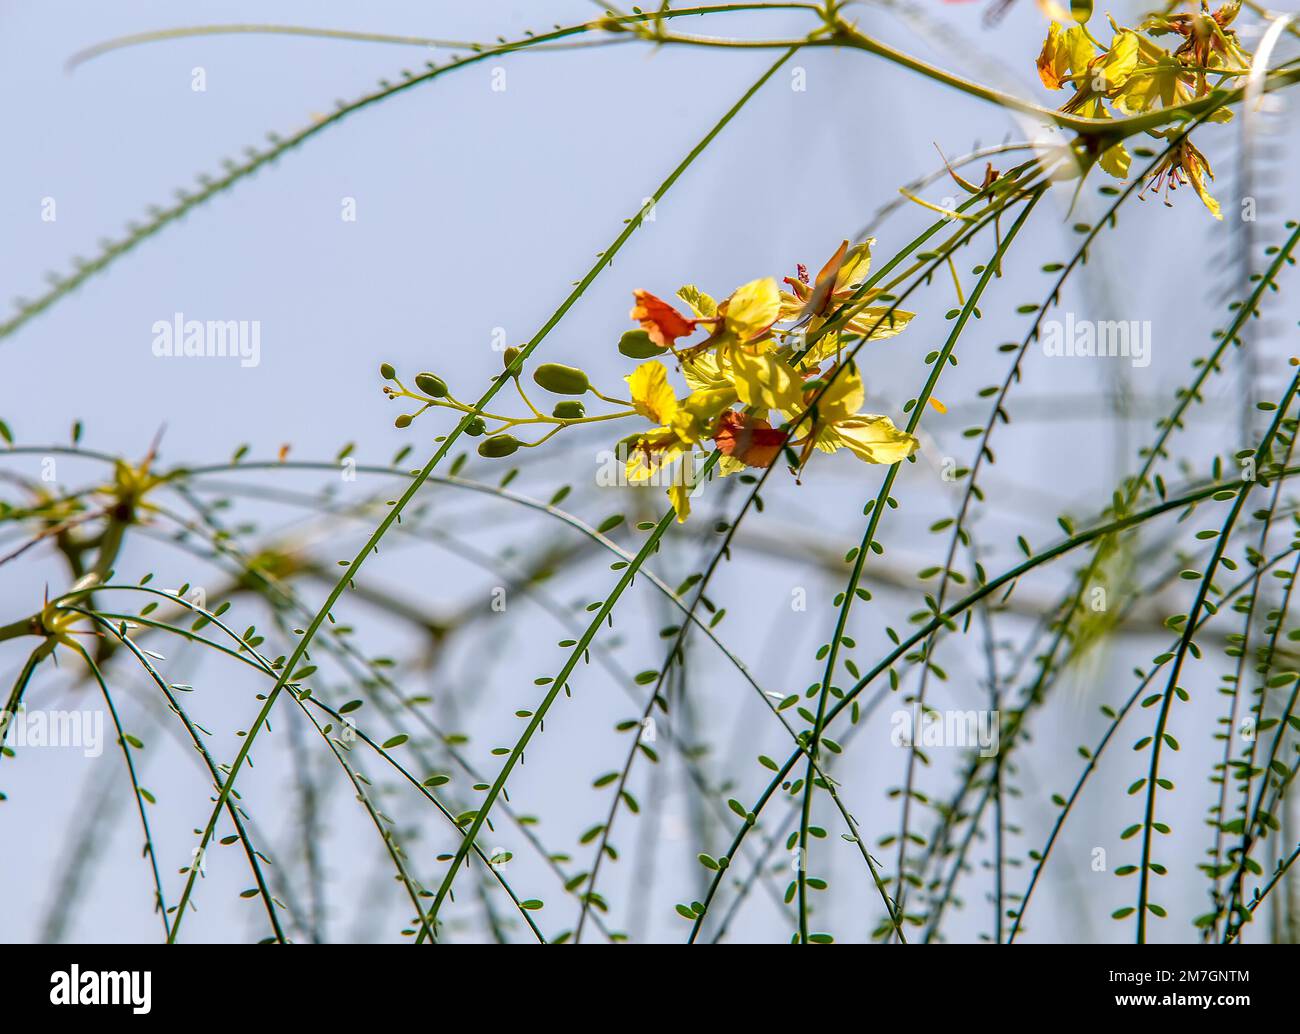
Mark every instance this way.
x=636 y=344
x=569 y=410
x=403 y=421
x=475 y=427
x=431 y=385
x=623 y=448
x=498 y=445
x=561 y=380
x=509 y=357
x=386 y=371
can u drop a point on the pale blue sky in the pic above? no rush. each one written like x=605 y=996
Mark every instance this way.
x=476 y=208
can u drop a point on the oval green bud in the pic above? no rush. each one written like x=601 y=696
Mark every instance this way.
x=509 y=357
x=403 y=421
x=623 y=448
x=571 y=409
x=386 y=371
x=636 y=344
x=498 y=445
x=431 y=385
x=561 y=380
x=475 y=427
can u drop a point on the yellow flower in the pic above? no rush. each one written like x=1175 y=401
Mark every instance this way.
x=1118 y=74
x=1065 y=56
x=689 y=419
x=1161 y=79
x=739 y=378
x=1103 y=75
x=1184 y=164
x=651 y=453
x=1208 y=40
x=837 y=283
x=835 y=423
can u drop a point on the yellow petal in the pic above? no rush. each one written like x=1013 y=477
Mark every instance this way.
x=1115 y=161
x=680 y=497
x=843 y=398
x=877 y=323
x=1121 y=60
x=752 y=308
x=1052 y=59
x=766 y=382
x=679 y=492
x=1159 y=82
x=1079 y=50
x=704 y=371
x=730 y=465
x=1198 y=184
x=701 y=304
x=791 y=307
x=857 y=264
x=875 y=439
x=652 y=396
x=652 y=453
x=697 y=412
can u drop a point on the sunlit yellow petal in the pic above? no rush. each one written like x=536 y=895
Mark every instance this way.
x=706 y=370
x=1079 y=50
x=791 y=306
x=1193 y=171
x=651 y=454
x=753 y=308
x=1121 y=60
x=652 y=396
x=679 y=492
x=766 y=382
x=877 y=323
x=1052 y=59
x=697 y=412
x=875 y=439
x=730 y=465
x=700 y=303
x=1115 y=161
x=857 y=264
x=843 y=397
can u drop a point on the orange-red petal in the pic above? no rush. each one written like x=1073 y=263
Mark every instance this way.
x=754 y=442
x=660 y=320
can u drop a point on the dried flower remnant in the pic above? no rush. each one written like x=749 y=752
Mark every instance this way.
x=1184 y=164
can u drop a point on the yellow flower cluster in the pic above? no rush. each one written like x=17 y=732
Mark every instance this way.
x=757 y=387
x=1134 y=74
